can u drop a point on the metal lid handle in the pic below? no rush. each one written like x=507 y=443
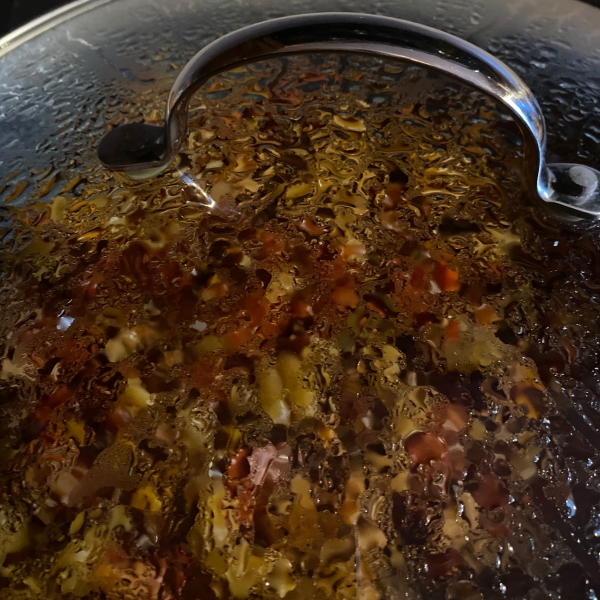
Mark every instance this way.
x=144 y=150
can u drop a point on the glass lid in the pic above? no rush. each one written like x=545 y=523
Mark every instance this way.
x=336 y=349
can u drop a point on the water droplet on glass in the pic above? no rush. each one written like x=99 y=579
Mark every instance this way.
x=64 y=323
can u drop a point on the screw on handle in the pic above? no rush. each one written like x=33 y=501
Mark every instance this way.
x=145 y=150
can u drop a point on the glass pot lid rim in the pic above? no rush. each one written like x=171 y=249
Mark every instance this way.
x=47 y=21
x=583 y=14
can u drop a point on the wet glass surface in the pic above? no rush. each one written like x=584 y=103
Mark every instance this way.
x=335 y=352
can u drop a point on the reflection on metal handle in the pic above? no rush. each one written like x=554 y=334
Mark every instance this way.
x=144 y=150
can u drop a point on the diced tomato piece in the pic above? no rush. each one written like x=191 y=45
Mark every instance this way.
x=345 y=296
x=442 y=564
x=498 y=530
x=232 y=341
x=445 y=278
x=239 y=466
x=423 y=447
x=491 y=493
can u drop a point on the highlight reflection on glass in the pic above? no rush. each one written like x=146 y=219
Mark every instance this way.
x=196 y=188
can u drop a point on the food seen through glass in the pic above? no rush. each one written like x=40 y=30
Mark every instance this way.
x=335 y=352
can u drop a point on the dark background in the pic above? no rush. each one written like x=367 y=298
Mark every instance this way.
x=14 y=13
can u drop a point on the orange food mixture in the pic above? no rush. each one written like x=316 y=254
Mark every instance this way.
x=360 y=369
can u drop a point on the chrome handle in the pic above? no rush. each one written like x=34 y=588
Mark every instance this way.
x=145 y=150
